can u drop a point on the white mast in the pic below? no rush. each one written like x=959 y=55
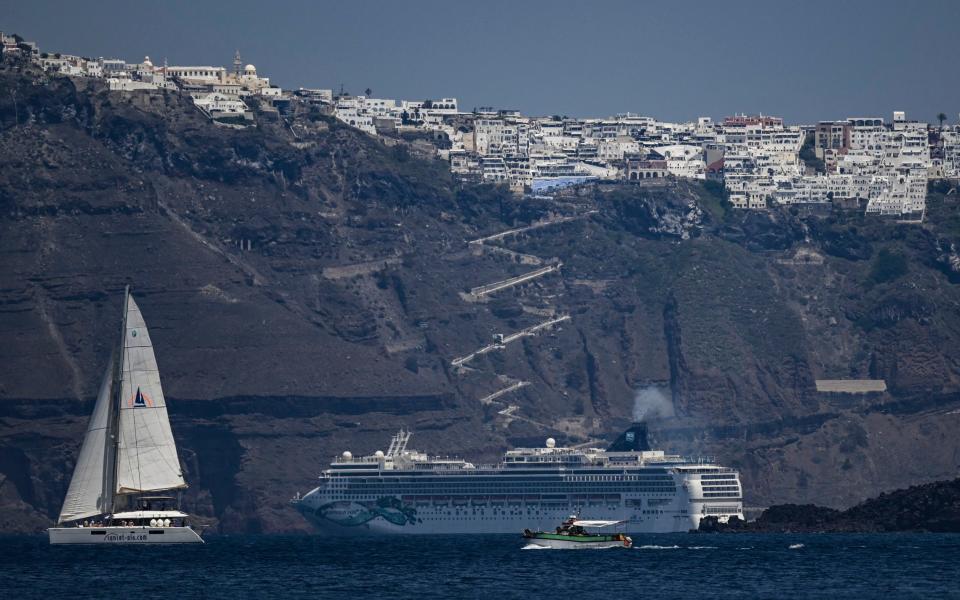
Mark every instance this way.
x=110 y=472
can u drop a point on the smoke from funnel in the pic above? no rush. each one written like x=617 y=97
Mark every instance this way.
x=650 y=402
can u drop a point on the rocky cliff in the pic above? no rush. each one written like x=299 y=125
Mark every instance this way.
x=308 y=287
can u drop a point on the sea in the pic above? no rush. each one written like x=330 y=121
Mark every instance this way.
x=845 y=566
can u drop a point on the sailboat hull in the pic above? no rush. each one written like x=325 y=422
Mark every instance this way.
x=123 y=535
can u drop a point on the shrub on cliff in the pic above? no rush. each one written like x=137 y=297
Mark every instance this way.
x=888 y=266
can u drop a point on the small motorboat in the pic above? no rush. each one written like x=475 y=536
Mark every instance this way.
x=573 y=533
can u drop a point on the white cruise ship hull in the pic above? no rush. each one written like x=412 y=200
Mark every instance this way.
x=123 y=535
x=355 y=519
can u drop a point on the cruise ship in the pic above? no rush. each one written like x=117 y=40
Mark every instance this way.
x=403 y=491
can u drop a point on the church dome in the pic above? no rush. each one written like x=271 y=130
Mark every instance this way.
x=250 y=69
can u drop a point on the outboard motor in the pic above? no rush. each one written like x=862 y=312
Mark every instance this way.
x=633 y=439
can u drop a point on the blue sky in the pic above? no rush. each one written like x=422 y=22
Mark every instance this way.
x=674 y=59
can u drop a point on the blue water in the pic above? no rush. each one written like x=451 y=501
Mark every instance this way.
x=491 y=567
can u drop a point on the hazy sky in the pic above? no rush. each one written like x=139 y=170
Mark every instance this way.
x=804 y=59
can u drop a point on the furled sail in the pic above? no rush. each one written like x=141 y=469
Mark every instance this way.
x=146 y=453
x=87 y=495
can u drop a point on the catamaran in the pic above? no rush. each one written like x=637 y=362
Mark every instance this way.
x=128 y=456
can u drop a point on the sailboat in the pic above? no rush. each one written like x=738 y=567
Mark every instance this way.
x=128 y=457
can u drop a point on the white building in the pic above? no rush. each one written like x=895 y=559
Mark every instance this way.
x=951 y=153
x=220 y=105
x=615 y=149
x=126 y=84
x=324 y=96
x=498 y=137
x=112 y=66
x=350 y=110
x=493 y=169
x=271 y=92
x=198 y=75
x=683 y=160
x=443 y=106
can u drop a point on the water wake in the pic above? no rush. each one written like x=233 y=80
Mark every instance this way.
x=532 y=546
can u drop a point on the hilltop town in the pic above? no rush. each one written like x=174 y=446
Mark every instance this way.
x=863 y=163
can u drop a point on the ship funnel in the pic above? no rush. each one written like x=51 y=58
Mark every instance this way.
x=633 y=439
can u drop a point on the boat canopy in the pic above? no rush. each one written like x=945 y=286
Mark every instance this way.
x=150 y=514
x=596 y=523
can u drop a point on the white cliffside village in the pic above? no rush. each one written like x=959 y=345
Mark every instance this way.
x=859 y=162
x=216 y=91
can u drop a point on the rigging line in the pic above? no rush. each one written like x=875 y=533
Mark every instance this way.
x=136 y=442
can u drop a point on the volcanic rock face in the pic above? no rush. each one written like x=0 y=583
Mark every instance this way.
x=307 y=288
